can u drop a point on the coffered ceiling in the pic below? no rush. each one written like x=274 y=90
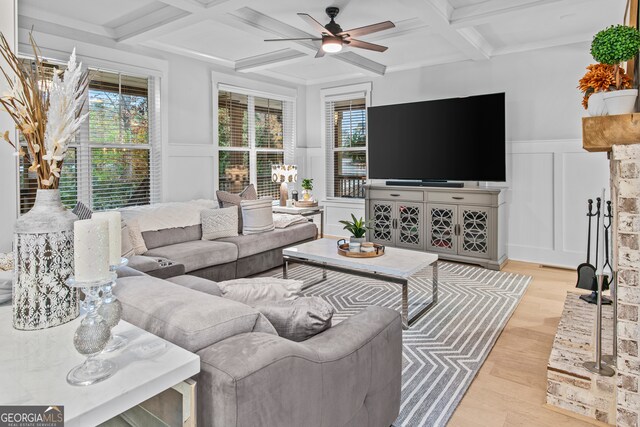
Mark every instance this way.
x=230 y=33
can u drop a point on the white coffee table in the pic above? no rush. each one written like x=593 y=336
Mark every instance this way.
x=395 y=266
x=34 y=367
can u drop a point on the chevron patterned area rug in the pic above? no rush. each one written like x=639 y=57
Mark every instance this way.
x=444 y=350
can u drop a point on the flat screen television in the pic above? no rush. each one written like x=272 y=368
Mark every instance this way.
x=458 y=139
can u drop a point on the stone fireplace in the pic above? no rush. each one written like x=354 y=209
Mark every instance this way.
x=569 y=386
x=625 y=195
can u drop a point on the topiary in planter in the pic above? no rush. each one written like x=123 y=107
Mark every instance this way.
x=614 y=45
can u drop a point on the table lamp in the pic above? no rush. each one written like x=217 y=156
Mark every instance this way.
x=284 y=174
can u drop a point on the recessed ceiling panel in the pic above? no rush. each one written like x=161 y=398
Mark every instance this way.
x=92 y=11
x=318 y=68
x=547 y=24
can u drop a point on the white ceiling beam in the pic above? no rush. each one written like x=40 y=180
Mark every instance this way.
x=269 y=60
x=186 y=13
x=544 y=44
x=150 y=22
x=402 y=28
x=436 y=13
x=178 y=50
x=493 y=10
x=28 y=11
x=370 y=67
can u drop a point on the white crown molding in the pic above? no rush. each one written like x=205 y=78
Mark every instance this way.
x=190 y=53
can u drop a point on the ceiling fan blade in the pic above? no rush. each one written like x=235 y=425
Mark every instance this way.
x=320 y=53
x=285 y=40
x=373 y=28
x=315 y=24
x=366 y=45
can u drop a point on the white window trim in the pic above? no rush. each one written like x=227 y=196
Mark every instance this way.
x=288 y=149
x=342 y=93
x=84 y=182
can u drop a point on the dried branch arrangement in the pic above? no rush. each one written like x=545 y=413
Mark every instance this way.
x=47 y=113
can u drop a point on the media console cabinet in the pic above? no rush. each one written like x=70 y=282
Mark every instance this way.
x=460 y=224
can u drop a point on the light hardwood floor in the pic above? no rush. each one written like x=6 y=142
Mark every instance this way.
x=510 y=389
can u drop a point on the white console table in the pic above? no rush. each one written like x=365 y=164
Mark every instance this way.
x=34 y=366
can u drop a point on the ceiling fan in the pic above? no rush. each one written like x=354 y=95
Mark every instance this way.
x=334 y=38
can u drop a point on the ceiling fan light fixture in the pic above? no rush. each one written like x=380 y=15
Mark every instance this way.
x=331 y=44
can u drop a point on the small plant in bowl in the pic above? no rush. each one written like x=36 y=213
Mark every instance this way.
x=613 y=46
x=358 y=228
x=307 y=186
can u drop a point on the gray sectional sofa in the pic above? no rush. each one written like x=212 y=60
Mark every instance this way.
x=348 y=375
x=226 y=258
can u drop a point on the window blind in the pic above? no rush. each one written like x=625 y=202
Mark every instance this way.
x=346 y=145
x=255 y=130
x=115 y=159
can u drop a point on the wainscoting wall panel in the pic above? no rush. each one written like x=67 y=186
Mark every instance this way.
x=550 y=182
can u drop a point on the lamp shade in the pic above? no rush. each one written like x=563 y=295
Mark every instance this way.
x=284 y=173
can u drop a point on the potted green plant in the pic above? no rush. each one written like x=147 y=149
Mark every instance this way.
x=307 y=186
x=612 y=46
x=358 y=228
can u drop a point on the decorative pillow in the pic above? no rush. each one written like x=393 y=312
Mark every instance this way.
x=257 y=216
x=132 y=241
x=6 y=286
x=227 y=200
x=217 y=223
x=82 y=211
x=299 y=319
x=260 y=290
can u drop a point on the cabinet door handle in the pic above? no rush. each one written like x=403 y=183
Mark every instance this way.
x=457 y=198
x=457 y=229
x=394 y=195
x=395 y=223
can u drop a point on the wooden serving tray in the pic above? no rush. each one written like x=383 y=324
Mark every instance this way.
x=305 y=204
x=343 y=249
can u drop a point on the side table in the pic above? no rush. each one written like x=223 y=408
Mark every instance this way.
x=34 y=366
x=305 y=212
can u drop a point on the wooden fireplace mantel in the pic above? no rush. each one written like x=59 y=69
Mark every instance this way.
x=601 y=132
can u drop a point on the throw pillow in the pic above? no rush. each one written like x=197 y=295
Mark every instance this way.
x=257 y=216
x=132 y=240
x=82 y=211
x=299 y=319
x=260 y=290
x=227 y=200
x=217 y=223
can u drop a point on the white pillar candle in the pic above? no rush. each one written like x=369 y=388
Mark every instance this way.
x=115 y=234
x=91 y=250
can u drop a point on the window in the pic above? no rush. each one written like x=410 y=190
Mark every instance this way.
x=346 y=142
x=254 y=132
x=115 y=159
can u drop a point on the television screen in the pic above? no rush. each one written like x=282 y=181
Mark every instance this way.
x=458 y=139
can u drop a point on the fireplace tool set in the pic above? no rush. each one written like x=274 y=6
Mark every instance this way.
x=598 y=278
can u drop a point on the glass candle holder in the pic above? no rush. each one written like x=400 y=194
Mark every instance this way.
x=91 y=337
x=111 y=310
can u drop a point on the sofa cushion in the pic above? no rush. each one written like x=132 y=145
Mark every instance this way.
x=252 y=244
x=171 y=236
x=257 y=216
x=227 y=200
x=197 y=283
x=198 y=253
x=217 y=223
x=189 y=319
x=298 y=319
x=260 y=290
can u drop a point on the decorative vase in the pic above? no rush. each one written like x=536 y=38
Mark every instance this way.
x=43 y=246
x=596 y=105
x=620 y=101
x=306 y=195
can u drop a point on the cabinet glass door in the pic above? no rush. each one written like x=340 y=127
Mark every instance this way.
x=441 y=228
x=409 y=225
x=382 y=216
x=474 y=235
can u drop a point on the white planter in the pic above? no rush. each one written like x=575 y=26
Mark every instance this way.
x=596 y=105
x=621 y=101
